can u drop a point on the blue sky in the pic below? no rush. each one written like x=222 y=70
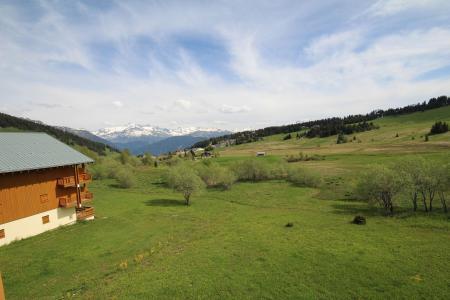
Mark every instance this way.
x=225 y=64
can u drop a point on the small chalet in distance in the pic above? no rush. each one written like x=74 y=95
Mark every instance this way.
x=43 y=185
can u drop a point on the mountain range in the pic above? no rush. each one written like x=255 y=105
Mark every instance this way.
x=156 y=140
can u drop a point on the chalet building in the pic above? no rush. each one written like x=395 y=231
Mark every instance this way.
x=43 y=185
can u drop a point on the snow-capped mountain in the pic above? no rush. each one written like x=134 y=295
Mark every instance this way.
x=142 y=138
x=130 y=132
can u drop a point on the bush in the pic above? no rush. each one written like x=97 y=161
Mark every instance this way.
x=258 y=169
x=104 y=168
x=304 y=157
x=359 y=220
x=125 y=178
x=303 y=178
x=214 y=175
x=251 y=170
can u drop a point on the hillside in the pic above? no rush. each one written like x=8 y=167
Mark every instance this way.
x=87 y=135
x=328 y=126
x=410 y=128
x=11 y=123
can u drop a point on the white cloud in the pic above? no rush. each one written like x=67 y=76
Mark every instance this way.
x=117 y=104
x=391 y=7
x=333 y=66
x=183 y=104
x=229 y=109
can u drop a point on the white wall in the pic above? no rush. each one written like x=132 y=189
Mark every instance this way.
x=30 y=226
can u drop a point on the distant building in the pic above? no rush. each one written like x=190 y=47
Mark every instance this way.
x=43 y=185
x=261 y=153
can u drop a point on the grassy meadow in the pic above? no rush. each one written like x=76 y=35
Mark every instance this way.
x=233 y=244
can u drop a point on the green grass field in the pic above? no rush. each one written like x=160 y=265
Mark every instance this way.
x=233 y=244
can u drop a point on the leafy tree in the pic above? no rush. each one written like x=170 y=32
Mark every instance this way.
x=412 y=171
x=184 y=179
x=443 y=184
x=381 y=184
x=429 y=183
x=425 y=179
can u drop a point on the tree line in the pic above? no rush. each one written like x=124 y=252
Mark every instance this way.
x=328 y=126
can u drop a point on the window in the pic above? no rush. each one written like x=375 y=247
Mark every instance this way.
x=45 y=219
x=44 y=198
x=2 y=233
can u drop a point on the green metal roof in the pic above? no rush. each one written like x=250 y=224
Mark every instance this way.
x=22 y=151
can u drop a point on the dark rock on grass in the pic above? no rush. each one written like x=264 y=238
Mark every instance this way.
x=289 y=224
x=359 y=220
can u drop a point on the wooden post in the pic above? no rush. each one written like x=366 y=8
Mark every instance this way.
x=77 y=184
x=2 y=291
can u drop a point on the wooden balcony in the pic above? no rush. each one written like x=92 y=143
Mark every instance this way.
x=68 y=181
x=85 y=213
x=85 y=177
x=67 y=201
x=86 y=196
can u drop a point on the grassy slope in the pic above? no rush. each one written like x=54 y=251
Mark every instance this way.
x=233 y=244
x=382 y=140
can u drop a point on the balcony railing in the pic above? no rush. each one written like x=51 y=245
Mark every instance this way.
x=85 y=213
x=85 y=177
x=67 y=201
x=68 y=181
x=86 y=196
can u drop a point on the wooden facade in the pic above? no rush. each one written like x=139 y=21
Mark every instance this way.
x=24 y=194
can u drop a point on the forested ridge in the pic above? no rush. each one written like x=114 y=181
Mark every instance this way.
x=64 y=136
x=329 y=126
